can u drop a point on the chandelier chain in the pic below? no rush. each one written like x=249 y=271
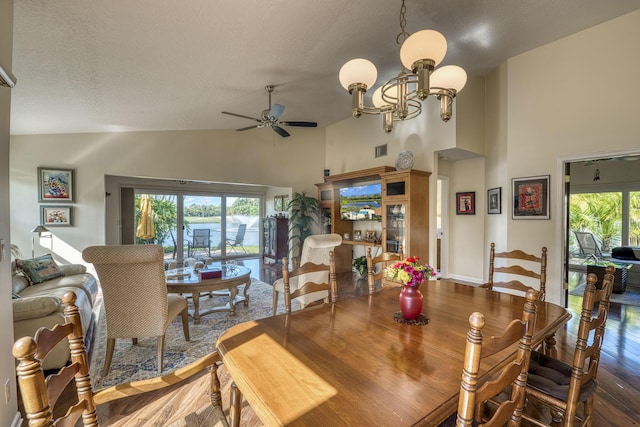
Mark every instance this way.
x=403 y=22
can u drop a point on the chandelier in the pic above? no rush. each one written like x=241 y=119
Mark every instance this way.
x=400 y=97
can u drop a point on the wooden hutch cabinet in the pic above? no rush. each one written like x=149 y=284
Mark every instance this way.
x=405 y=212
x=276 y=237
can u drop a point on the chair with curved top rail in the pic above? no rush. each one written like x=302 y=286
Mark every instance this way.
x=385 y=259
x=562 y=386
x=41 y=395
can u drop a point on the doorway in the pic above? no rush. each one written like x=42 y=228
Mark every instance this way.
x=602 y=212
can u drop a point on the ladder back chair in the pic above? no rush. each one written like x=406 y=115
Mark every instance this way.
x=40 y=395
x=309 y=287
x=515 y=273
x=563 y=386
x=385 y=259
x=315 y=249
x=475 y=393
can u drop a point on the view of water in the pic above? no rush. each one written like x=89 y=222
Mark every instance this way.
x=251 y=237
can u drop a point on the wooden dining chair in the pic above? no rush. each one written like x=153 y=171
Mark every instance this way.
x=517 y=267
x=565 y=386
x=40 y=395
x=474 y=392
x=384 y=259
x=309 y=287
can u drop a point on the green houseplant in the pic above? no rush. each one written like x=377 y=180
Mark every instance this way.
x=303 y=214
x=360 y=265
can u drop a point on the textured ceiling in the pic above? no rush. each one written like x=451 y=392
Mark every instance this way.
x=122 y=65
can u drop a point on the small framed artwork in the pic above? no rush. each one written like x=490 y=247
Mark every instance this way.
x=466 y=203
x=494 y=200
x=55 y=185
x=357 y=235
x=55 y=215
x=370 y=235
x=531 y=197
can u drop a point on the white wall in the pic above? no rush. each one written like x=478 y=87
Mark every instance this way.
x=255 y=157
x=577 y=96
x=7 y=371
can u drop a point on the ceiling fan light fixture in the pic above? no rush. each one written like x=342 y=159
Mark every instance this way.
x=270 y=118
x=399 y=98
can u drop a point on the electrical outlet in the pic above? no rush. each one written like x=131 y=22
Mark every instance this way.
x=7 y=391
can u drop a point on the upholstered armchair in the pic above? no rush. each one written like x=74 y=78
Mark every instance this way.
x=135 y=296
x=316 y=249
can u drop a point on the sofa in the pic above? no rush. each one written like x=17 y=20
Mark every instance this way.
x=37 y=299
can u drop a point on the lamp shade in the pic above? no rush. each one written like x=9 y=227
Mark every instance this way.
x=358 y=70
x=449 y=77
x=40 y=229
x=425 y=44
x=376 y=99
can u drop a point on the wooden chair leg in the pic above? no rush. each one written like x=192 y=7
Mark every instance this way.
x=185 y=324
x=134 y=341
x=160 y=352
x=235 y=406
x=111 y=345
x=275 y=302
x=214 y=386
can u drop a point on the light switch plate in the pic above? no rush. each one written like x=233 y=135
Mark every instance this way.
x=2 y=245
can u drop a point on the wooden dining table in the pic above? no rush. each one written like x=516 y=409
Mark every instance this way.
x=351 y=364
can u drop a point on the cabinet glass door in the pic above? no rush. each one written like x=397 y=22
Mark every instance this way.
x=395 y=217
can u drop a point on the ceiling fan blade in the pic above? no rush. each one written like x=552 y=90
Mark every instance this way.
x=300 y=124
x=276 y=111
x=247 y=128
x=283 y=133
x=240 y=115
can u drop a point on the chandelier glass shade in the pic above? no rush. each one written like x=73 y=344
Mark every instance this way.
x=400 y=97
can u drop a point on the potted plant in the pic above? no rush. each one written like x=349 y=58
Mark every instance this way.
x=360 y=266
x=303 y=214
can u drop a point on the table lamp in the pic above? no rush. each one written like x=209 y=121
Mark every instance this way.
x=40 y=229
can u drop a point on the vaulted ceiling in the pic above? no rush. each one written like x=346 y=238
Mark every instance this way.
x=122 y=65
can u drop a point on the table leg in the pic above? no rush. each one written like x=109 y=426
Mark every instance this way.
x=196 y=307
x=246 y=295
x=233 y=291
x=550 y=348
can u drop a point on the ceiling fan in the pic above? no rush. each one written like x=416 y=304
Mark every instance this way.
x=269 y=118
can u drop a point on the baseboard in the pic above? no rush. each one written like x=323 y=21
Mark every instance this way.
x=465 y=280
x=17 y=420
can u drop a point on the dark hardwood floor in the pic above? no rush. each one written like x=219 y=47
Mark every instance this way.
x=617 y=401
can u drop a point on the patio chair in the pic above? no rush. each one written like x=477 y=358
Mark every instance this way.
x=201 y=240
x=238 y=240
x=588 y=246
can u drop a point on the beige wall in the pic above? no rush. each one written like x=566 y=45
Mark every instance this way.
x=255 y=157
x=575 y=97
x=7 y=372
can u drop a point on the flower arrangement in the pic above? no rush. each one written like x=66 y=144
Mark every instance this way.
x=409 y=271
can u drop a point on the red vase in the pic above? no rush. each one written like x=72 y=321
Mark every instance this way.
x=411 y=302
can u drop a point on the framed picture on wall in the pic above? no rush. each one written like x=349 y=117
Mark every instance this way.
x=531 y=197
x=466 y=203
x=55 y=185
x=55 y=215
x=494 y=200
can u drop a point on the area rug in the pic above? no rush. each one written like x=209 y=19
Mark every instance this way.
x=628 y=297
x=136 y=362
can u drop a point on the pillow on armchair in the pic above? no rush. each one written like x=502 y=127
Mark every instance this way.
x=40 y=269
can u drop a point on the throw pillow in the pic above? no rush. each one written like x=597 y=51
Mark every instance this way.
x=39 y=269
